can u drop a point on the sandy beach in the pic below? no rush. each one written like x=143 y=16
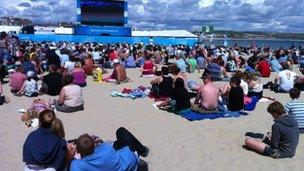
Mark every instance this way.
x=175 y=143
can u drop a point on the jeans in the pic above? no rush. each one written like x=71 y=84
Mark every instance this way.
x=125 y=138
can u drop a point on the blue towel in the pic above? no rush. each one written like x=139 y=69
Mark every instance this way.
x=193 y=116
x=251 y=106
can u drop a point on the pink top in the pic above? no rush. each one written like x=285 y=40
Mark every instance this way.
x=79 y=77
x=17 y=80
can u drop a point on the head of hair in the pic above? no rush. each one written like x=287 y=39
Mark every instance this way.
x=19 y=68
x=285 y=66
x=236 y=80
x=294 y=93
x=57 y=127
x=207 y=76
x=239 y=74
x=165 y=70
x=276 y=109
x=175 y=70
x=66 y=80
x=46 y=118
x=179 y=83
x=52 y=68
x=78 y=64
x=85 y=145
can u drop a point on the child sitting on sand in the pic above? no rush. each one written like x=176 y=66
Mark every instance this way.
x=236 y=95
x=3 y=99
x=295 y=108
x=30 y=87
x=283 y=139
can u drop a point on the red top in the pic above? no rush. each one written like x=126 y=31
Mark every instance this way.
x=148 y=65
x=112 y=56
x=264 y=68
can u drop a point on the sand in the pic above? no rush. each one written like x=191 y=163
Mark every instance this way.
x=174 y=142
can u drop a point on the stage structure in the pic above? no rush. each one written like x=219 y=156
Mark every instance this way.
x=102 y=18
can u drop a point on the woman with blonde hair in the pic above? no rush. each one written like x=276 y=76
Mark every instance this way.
x=79 y=75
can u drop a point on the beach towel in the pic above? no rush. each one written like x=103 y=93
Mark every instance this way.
x=251 y=106
x=139 y=92
x=193 y=116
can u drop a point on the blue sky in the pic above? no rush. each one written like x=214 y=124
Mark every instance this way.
x=257 y=15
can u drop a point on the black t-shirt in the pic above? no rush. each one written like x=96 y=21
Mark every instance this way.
x=236 y=99
x=166 y=86
x=182 y=98
x=54 y=83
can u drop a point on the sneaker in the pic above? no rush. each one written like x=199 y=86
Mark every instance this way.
x=145 y=153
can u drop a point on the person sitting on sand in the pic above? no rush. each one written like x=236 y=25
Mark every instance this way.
x=52 y=83
x=284 y=137
x=3 y=99
x=226 y=88
x=17 y=79
x=29 y=87
x=179 y=99
x=295 y=108
x=45 y=148
x=236 y=95
x=207 y=97
x=119 y=74
x=162 y=85
x=255 y=85
x=264 y=67
x=284 y=81
x=79 y=75
x=178 y=74
x=105 y=156
x=192 y=64
x=70 y=98
x=148 y=68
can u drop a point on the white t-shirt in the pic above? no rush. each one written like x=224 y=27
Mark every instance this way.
x=69 y=66
x=30 y=87
x=286 y=80
x=244 y=86
x=96 y=55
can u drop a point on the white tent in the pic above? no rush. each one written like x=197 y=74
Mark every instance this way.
x=164 y=33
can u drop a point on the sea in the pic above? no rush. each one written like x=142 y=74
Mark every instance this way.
x=273 y=44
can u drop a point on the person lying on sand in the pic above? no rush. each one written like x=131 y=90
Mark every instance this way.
x=98 y=155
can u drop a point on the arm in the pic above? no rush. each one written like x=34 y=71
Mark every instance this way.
x=275 y=136
x=276 y=80
x=61 y=97
x=22 y=89
x=198 y=96
x=1 y=90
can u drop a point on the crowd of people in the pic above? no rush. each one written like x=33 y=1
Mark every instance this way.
x=62 y=68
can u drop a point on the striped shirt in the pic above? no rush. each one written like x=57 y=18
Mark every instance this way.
x=296 y=109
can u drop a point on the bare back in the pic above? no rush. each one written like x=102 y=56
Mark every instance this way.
x=209 y=96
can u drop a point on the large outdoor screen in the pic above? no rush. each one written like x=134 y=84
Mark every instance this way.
x=102 y=12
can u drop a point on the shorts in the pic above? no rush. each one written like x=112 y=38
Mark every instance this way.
x=202 y=110
x=268 y=151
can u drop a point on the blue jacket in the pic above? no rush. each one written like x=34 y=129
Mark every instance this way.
x=105 y=158
x=44 y=148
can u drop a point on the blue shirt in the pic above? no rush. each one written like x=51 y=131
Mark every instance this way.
x=200 y=62
x=283 y=59
x=42 y=147
x=105 y=158
x=295 y=108
x=275 y=65
x=181 y=64
x=130 y=63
